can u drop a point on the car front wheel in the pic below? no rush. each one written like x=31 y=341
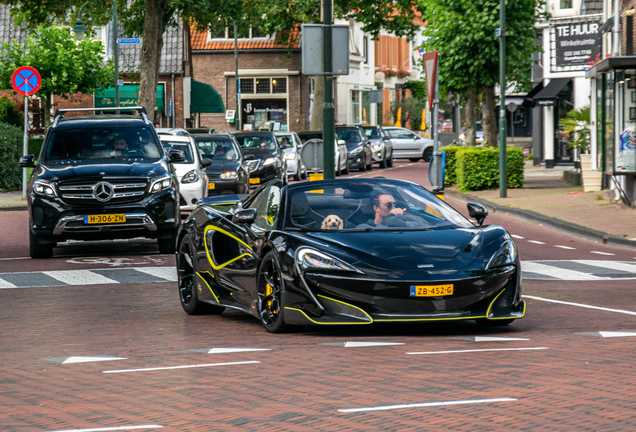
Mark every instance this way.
x=428 y=154
x=270 y=295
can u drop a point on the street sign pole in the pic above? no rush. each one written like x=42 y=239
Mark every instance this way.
x=503 y=175
x=25 y=146
x=116 y=57
x=328 y=109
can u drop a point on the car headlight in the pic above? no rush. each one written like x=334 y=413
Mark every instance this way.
x=506 y=255
x=313 y=259
x=42 y=187
x=377 y=147
x=160 y=184
x=190 y=177
x=356 y=150
x=229 y=175
x=290 y=156
x=462 y=136
x=268 y=161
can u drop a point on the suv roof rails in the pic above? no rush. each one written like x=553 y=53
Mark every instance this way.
x=59 y=113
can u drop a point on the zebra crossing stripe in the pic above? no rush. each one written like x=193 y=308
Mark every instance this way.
x=5 y=284
x=79 y=277
x=168 y=273
x=557 y=273
x=613 y=265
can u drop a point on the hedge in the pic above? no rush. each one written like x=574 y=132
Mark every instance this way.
x=478 y=168
x=35 y=145
x=11 y=143
x=450 y=171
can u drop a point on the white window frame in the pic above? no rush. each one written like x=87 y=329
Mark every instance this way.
x=228 y=39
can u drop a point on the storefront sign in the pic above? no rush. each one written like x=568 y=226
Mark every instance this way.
x=576 y=44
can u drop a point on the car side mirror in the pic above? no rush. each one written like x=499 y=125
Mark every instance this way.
x=27 y=161
x=249 y=157
x=478 y=212
x=205 y=162
x=386 y=138
x=342 y=142
x=244 y=216
x=177 y=156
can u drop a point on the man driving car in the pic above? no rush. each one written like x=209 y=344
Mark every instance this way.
x=383 y=206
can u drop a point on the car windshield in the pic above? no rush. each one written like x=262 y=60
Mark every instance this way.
x=102 y=143
x=479 y=128
x=264 y=142
x=368 y=206
x=218 y=150
x=285 y=140
x=350 y=135
x=372 y=132
x=183 y=146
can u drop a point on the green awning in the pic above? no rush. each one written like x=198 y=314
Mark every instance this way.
x=205 y=99
x=128 y=97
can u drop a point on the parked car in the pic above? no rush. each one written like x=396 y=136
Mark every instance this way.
x=446 y=126
x=408 y=144
x=341 y=155
x=192 y=131
x=172 y=131
x=193 y=181
x=291 y=144
x=102 y=177
x=265 y=158
x=358 y=146
x=227 y=174
x=479 y=135
x=381 y=145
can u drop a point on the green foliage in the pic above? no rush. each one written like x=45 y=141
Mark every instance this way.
x=411 y=111
x=478 y=168
x=66 y=66
x=450 y=170
x=464 y=34
x=577 y=126
x=418 y=89
x=35 y=145
x=8 y=113
x=11 y=142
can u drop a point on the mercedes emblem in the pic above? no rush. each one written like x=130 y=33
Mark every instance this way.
x=103 y=191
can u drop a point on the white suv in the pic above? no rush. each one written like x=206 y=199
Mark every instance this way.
x=193 y=182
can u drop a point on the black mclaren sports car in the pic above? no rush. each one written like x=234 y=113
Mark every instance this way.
x=352 y=251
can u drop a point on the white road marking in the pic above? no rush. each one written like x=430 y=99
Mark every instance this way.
x=613 y=265
x=91 y=359
x=79 y=277
x=369 y=344
x=181 y=367
x=517 y=236
x=580 y=305
x=5 y=284
x=602 y=253
x=565 y=247
x=116 y=428
x=610 y=334
x=477 y=350
x=490 y=338
x=536 y=242
x=15 y=258
x=423 y=405
x=168 y=273
x=233 y=350
x=556 y=272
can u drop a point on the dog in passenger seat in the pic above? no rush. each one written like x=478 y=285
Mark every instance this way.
x=332 y=222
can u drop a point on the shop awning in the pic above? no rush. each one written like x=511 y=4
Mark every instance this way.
x=553 y=88
x=205 y=99
x=127 y=97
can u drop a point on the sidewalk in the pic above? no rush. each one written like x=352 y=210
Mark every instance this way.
x=12 y=201
x=547 y=199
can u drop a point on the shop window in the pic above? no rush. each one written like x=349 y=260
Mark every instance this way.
x=262 y=85
x=247 y=85
x=565 y=4
x=279 y=85
x=355 y=106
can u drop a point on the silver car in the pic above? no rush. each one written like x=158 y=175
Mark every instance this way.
x=409 y=145
x=290 y=143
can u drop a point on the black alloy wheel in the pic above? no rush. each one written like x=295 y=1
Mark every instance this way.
x=346 y=168
x=270 y=295
x=370 y=164
x=297 y=175
x=363 y=164
x=168 y=245
x=384 y=161
x=187 y=274
x=428 y=154
x=389 y=161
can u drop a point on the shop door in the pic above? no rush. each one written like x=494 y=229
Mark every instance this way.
x=564 y=103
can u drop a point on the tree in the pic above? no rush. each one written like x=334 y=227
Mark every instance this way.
x=65 y=65
x=577 y=127
x=464 y=33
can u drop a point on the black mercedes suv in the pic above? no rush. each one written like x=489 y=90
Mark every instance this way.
x=102 y=177
x=263 y=156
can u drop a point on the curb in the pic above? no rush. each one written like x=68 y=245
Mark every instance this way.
x=14 y=208
x=531 y=216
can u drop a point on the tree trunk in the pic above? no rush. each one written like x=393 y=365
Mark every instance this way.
x=318 y=102
x=471 y=120
x=154 y=26
x=488 y=116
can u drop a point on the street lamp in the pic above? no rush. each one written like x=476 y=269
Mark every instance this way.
x=79 y=28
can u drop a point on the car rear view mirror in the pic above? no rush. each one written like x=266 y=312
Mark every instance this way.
x=244 y=216
x=27 y=161
x=478 y=212
x=206 y=162
x=342 y=142
x=177 y=156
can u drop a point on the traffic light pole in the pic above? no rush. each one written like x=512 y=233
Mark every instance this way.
x=328 y=109
x=503 y=169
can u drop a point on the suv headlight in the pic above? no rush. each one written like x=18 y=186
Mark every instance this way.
x=43 y=187
x=506 y=255
x=290 y=156
x=462 y=136
x=268 y=161
x=190 y=177
x=229 y=175
x=160 y=184
x=377 y=147
x=313 y=259
x=356 y=150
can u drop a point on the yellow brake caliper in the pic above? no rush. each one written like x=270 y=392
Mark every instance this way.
x=268 y=291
